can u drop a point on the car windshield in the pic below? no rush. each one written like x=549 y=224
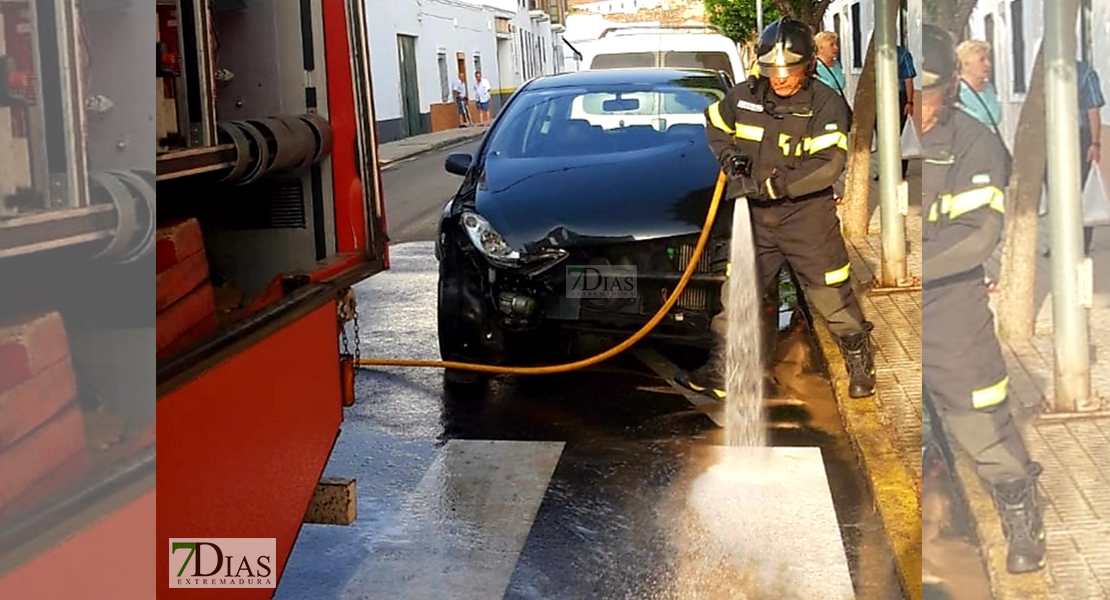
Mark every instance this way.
x=574 y=121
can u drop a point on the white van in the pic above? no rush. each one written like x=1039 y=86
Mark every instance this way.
x=692 y=47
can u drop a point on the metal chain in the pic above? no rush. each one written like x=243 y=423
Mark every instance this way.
x=358 y=340
x=346 y=312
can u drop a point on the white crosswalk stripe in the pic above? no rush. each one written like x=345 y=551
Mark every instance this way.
x=461 y=531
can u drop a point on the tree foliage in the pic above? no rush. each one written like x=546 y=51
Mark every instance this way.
x=738 y=17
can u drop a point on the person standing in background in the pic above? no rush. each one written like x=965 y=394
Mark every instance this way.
x=459 y=91
x=1091 y=102
x=482 y=96
x=978 y=97
x=829 y=71
x=906 y=74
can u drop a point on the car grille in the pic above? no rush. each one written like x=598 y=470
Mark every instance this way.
x=693 y=297
x=654 y=257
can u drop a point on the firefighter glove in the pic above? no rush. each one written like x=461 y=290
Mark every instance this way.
x=738 y=169
x=735 y=164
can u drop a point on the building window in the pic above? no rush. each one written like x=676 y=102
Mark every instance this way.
x=444 y=84
x=1017 y=20
x=477 y=63
x=988 y=26
x=857 y=38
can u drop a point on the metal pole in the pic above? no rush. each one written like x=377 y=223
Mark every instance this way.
x=1069 y=267
x=890 y=145
x=759 y=16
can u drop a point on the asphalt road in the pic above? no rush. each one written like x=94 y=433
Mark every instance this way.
x=605 y=483
x=415 y=192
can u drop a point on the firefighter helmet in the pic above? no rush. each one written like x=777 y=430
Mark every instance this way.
x=785 y=48
x=939 y=63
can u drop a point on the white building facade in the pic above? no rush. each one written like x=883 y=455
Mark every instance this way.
x=419 y=47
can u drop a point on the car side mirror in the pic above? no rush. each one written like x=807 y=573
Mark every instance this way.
x=457 y=164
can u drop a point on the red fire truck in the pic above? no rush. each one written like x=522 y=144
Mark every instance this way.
x=248 y=181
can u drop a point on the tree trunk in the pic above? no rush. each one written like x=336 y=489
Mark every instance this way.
x=1016 y=313
x=854 y=215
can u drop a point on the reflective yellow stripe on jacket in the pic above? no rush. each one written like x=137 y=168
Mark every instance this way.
x=826 y=140
x=838 y=276
x=739 y=130
x=717 y=120
x=960 y=204
x=813 y=145
x=991 y=396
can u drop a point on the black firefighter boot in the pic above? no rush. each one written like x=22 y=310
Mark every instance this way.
x=1022 y=522
x=708 y=379
x=856 y=349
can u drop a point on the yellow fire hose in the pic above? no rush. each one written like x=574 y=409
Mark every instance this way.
x=593 y=360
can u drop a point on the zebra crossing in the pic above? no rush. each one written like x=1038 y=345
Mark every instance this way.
x=589 y=485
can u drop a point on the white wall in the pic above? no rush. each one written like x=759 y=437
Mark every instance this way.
x=542 y=35
x=438 y=25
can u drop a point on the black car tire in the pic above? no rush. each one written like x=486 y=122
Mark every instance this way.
x=453 y=342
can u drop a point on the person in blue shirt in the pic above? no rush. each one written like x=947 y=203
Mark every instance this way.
x=1091 y=102
x=829 y=71
x=906 y=74
x=978 y=96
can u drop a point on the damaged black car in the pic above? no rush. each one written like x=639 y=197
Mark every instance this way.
x=578 y=215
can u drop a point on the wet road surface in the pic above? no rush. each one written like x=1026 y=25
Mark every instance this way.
x=567 y=486
x=951 y=566
x=416 y=191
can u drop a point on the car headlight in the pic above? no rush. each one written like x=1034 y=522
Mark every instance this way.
x=487 y=240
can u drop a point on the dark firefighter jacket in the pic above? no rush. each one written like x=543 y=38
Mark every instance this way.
x=805 y=136
x=964 y=174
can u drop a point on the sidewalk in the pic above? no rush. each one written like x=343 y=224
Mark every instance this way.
x=1073 y=449
x=416 y=145
x=886 y=429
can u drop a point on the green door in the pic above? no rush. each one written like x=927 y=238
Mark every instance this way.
x=410 y=89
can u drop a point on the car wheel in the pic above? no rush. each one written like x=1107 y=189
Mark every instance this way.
x=457 y=342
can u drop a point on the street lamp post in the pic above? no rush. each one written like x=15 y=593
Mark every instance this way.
x=1071 y=271
x=890 y=146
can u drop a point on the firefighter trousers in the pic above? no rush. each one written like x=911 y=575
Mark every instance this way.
x=806 y=236
x=964 y=378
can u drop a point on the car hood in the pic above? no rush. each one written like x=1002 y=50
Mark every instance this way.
x=563 y=202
